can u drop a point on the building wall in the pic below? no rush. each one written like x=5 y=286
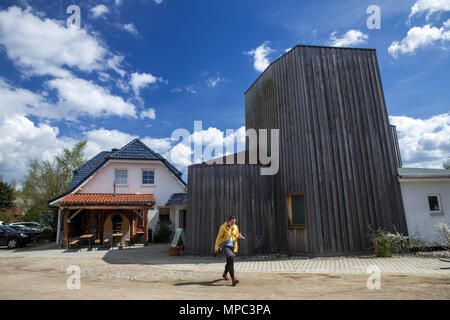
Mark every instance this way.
x=165 y=183
x=215 y=192
x=420 y=222
x=336 y=147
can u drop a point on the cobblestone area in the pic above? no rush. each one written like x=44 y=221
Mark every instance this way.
x=158 y=254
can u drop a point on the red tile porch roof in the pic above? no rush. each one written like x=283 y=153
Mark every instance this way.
x=108 y=198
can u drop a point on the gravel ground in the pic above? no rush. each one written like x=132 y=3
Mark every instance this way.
x=150 y=273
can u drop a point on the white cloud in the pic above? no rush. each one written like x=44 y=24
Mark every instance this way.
x=131 y=28
x=180 y=156
x=430 y=7
x=183 y=153
x=213 y=82
x=104 y=140
x=99 y=10
x=423 y=142
x=139 y=81
x=79 y=96
x=21 y=139
x=150 y=113
x=188 y=88
x=18 y=101
x=260 y=56
x=158 y=1
x=419 y=37
x=350 y=38
x=114 y=63
x=160 y=145
x=44 y=46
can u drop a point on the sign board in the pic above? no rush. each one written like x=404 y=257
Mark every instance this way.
x=176 y=237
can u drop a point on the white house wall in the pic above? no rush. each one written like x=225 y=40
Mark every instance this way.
x=165 y=182
x=415 y=199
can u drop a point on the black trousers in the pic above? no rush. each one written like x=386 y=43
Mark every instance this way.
x=229 y=267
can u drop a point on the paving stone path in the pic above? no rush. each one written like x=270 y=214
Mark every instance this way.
x=157 y=254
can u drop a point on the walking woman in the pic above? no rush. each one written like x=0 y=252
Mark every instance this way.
x=227 y=242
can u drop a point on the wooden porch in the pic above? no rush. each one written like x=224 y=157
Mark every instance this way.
x=105 y=215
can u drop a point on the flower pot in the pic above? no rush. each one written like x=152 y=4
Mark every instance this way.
x=174 y=251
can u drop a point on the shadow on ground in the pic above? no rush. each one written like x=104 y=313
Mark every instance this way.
x=213 y=283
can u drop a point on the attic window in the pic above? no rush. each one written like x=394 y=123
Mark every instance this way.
x=148 y=177
x=121 y=177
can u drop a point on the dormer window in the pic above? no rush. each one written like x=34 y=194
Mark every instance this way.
x=148 y=177
x=121 y=177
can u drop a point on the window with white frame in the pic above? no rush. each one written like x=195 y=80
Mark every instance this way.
x=148 y=177
x=434 y=203
x=121 y=177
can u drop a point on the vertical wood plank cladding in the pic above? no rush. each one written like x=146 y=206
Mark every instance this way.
x=336 y=146
x=215 y=191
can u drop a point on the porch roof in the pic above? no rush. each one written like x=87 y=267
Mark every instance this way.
x=108 y=198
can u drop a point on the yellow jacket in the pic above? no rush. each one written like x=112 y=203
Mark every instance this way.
x=225 y=233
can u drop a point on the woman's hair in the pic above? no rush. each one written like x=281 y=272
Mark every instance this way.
x=231 y=218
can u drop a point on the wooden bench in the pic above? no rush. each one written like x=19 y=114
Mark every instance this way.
x=74 y=243
x=97 y=243
x=106 y=243
x=128 y=242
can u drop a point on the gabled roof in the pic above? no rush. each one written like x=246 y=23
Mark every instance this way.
x=135 y=150
x=80 y=174
x=177 y=198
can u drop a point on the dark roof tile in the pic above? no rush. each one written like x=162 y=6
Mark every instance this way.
x=177 y=198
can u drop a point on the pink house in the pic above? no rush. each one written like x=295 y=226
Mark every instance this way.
x=120 y=195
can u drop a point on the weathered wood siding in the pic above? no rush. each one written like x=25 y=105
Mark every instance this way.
x=398 y=156
x=336 y=147
x=216 y=191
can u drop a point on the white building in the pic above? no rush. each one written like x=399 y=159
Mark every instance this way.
x=426 y=198
x=121 y=193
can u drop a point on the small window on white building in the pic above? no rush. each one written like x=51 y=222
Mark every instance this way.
x=121 y=177
x=148 y=177
x=434 y=203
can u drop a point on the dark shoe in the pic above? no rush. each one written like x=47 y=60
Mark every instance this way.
x=235 y=281
x=225 y=276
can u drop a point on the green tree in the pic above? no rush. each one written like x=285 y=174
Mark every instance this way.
x=446 y=164
x=7 y=195
x=46 y=180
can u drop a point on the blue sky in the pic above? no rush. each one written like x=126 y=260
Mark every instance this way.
x=142 y=69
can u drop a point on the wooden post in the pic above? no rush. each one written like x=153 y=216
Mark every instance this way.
x=65 y=244
x=58 y=228
x=133 y=225
x=145 y=215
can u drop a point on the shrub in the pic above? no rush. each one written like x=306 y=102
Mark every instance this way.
x=416 y=242
x=386 y=243
x=163 y=233
x=443 y=232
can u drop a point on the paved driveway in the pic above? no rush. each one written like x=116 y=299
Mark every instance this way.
x=158 y=254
